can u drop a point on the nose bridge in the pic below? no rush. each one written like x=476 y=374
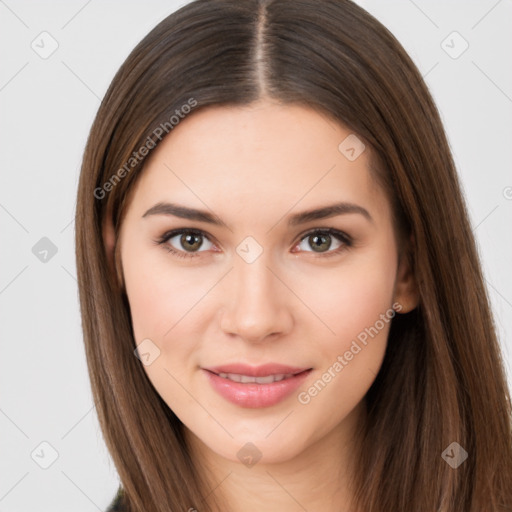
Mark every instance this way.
x=256 y=306
x=253 y=281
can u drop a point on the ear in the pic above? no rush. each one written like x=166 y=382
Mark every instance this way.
x=406 y=295
x=112 y=248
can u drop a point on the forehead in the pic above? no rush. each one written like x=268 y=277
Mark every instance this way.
x=263 y=156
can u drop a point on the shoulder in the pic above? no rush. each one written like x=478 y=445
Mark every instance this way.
x=117 y=504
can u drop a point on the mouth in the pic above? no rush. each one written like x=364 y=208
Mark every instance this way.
x=254 y=387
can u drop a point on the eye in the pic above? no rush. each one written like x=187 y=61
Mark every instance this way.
x=321 y=241
x=184 y=243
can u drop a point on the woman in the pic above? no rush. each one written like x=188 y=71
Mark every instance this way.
x=282 y=303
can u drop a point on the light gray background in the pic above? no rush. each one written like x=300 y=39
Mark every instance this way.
x=47 y=107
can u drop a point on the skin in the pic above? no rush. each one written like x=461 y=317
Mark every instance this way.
x=253 y=167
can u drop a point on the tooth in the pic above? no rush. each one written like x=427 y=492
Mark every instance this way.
x=248 y=379
x=267 y=380
x=244 y=379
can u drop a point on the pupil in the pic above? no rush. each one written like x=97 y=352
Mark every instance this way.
x=189 y=239
x=318 y=240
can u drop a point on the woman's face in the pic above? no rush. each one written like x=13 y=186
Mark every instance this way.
x=257 y=244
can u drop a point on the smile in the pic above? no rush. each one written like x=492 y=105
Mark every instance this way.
x=246 y=379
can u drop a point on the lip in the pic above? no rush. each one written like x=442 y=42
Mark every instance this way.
x=254 y=395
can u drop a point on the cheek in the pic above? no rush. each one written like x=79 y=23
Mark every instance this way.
x=358 y=309
x=160 y=293
x=162 y=300
x=352 y=297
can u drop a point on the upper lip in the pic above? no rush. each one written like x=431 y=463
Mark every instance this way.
x=256 y=371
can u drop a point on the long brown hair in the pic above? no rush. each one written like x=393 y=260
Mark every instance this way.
x=442 y=379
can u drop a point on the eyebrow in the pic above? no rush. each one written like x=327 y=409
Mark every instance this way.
x=184 y=212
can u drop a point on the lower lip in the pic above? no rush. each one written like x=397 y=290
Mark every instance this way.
x=253 y=395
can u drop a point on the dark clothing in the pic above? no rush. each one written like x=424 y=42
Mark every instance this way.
x=117 y=503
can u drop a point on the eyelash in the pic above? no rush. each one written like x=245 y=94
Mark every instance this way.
x=345 y=239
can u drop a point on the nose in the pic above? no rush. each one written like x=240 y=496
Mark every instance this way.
x=257 y=305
